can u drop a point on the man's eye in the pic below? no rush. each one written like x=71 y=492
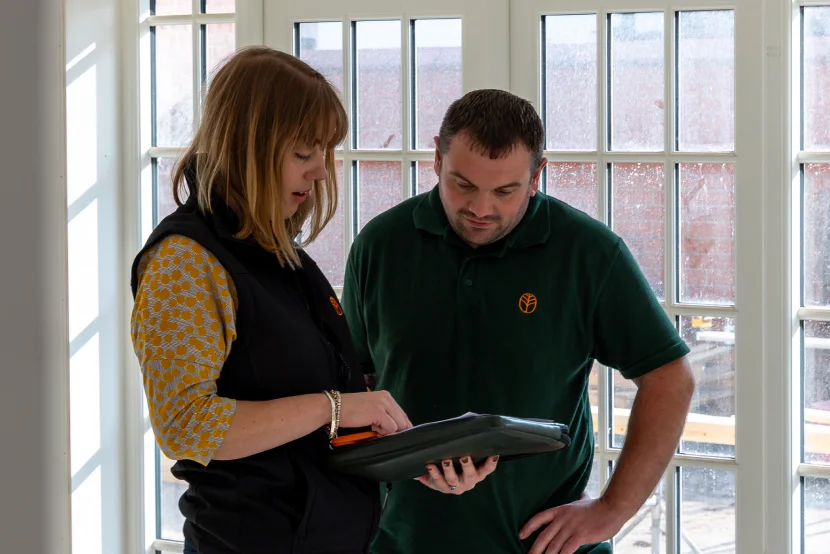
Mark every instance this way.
x=503 y=192
x=465 y=186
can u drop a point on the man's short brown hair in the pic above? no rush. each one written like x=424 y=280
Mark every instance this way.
x=495 y=122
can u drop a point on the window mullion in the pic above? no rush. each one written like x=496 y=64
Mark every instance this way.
x=407 y=101
x=671 y=230
x=672 y=496
x=196 y=32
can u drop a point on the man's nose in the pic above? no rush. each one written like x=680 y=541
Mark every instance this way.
x=479 y=205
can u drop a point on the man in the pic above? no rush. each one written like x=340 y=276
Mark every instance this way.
x=485 y=295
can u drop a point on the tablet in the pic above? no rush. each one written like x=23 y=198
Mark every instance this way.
x=402 y=456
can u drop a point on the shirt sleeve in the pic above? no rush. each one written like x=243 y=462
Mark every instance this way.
x=183 y=325
x=352 y=304
x=632 y=333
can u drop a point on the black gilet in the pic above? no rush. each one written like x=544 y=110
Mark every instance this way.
x=292 y=339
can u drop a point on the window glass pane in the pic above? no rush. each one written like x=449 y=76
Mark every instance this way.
x=571 y=82
x=165 y=205
x=637 y=82
x=378 y=84
x=645 y=533
x=171 y=7
x=638 y=216
x=707 y=233
x=220 y=39
x=707 y=511
x=592 y=489
x=378 y=189
x=173 y=92
x=710 y=425
x=817 y=392
x=816 y=109
x=437 y=75
x=220 y=6
x=170 y=491
x=575 y=184
x=594 y=397
x=816 y=514
x=426 y=178
x=328 y=248
x=622 y=402
x=321 y=47
x=706 y=81
x=816 y=234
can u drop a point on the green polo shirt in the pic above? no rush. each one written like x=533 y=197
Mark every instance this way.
x=511 y=328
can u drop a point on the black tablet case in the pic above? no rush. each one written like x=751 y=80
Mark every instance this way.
x=404 y=455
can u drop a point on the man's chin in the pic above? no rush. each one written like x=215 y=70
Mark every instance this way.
x=480 y=237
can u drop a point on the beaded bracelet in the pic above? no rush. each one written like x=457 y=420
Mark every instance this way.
x=334 y=398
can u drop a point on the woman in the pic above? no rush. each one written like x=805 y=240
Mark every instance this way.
x=246 y=358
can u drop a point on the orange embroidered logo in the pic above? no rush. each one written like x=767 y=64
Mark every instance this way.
x=335 y=305
x=527 y=303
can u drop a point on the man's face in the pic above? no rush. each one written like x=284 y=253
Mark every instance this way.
x=484 y=199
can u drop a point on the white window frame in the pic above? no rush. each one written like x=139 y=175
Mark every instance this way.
x=526 y=79
x=484 y=22
x=768 y=394
x=137 y=213
x=793 y=218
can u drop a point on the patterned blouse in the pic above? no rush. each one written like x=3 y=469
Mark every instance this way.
x=183 y=324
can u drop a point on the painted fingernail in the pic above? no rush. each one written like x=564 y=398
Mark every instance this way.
x=446 y=463
x=465 y=460
x=495 y=459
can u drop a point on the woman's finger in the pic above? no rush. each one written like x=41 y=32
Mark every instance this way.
x=451 y=478
x=437 y=478
x=488 y=467
x=469 y=470
x=387 y=425
x=396 y=413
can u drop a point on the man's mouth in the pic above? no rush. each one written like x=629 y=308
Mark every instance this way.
x=478 y=224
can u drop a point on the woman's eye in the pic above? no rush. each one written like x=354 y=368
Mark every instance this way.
x=302 y=156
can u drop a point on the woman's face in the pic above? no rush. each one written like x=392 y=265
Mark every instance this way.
x=302 y=166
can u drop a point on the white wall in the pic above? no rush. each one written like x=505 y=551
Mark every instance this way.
x=34 y=464
x=96 y=287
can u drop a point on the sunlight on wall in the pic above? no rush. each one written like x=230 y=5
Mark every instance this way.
x=85 y=408
x=83 y=270
x=81 y=132
x=86 y=516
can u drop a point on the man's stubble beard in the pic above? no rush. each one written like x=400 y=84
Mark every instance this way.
x=473 y=239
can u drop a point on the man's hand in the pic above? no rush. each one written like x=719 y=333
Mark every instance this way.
x=449 y=482
x=570 y=526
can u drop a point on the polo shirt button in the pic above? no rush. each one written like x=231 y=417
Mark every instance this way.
x=468 y=282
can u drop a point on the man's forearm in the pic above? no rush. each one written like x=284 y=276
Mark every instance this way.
x=654 y=429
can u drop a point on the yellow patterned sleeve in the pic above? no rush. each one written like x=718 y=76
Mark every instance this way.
x=183 y=324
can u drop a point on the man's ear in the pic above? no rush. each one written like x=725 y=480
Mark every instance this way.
x=534 y=180
x=437 y=163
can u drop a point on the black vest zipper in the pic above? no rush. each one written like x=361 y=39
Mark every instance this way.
x=348 y=370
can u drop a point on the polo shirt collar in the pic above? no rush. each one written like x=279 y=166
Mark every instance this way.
x=534 y=228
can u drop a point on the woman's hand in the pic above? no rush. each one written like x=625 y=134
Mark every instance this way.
x=449 y=482
x=376 y=409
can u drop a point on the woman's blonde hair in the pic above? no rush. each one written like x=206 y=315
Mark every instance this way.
x=259 y=105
